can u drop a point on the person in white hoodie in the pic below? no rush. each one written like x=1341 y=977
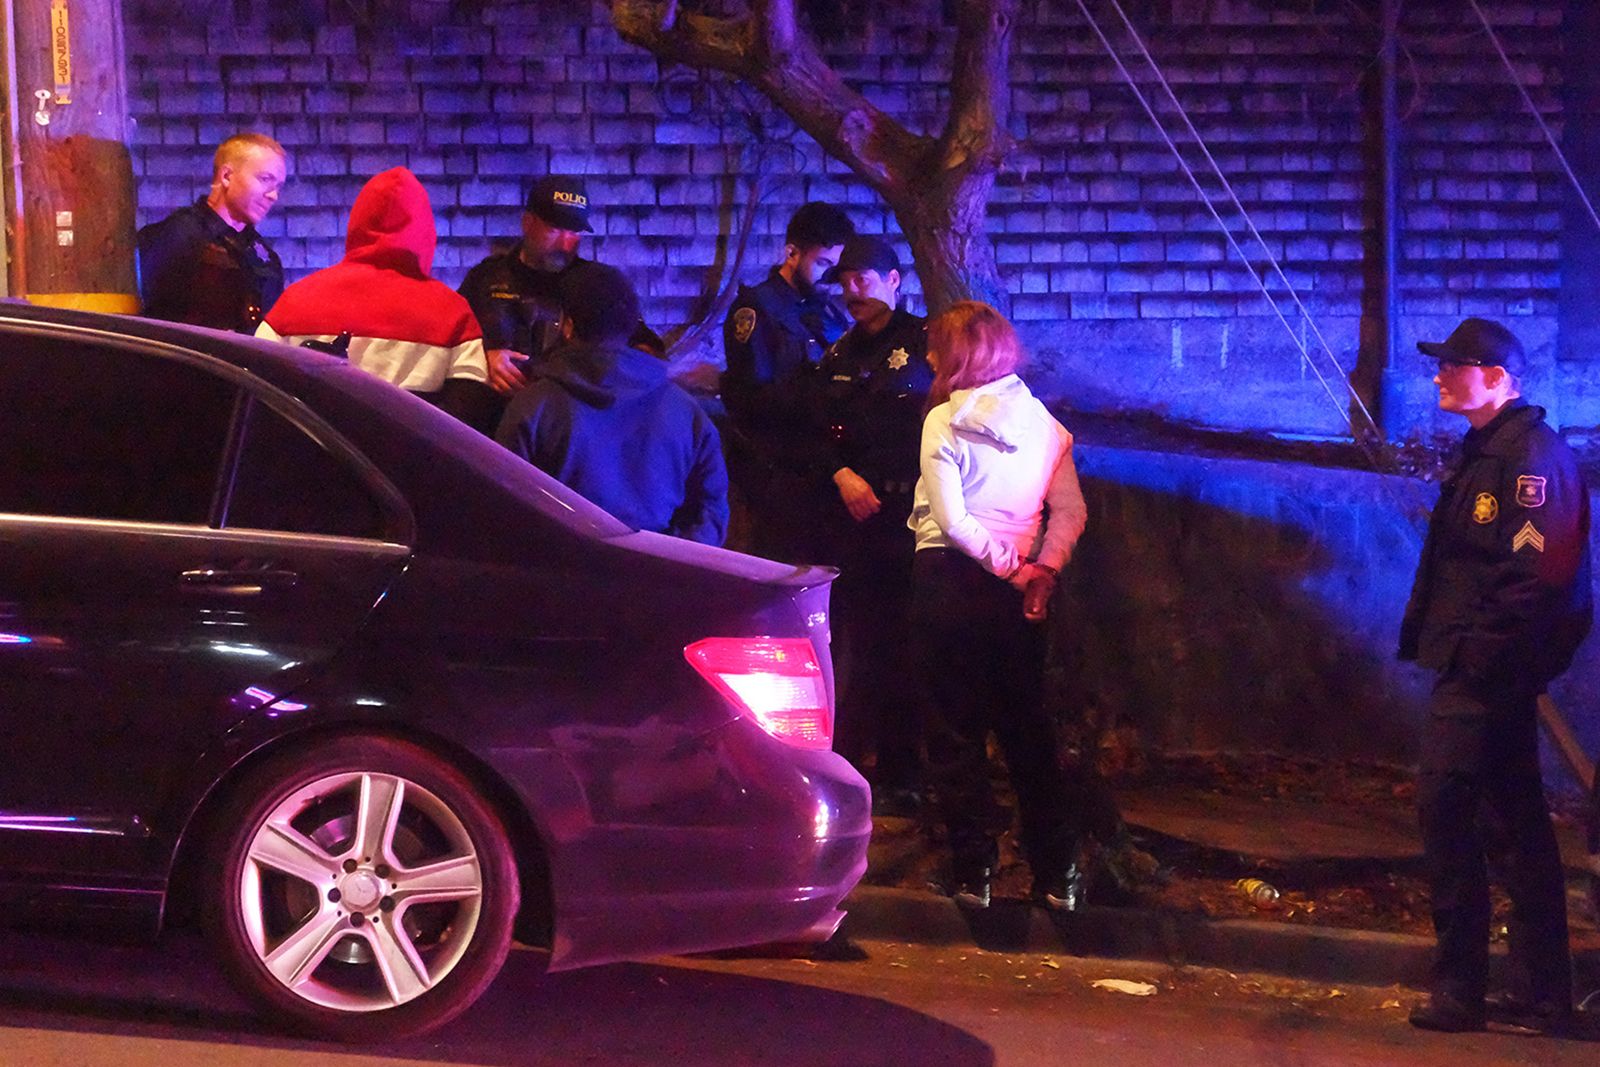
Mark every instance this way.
x=996 y=513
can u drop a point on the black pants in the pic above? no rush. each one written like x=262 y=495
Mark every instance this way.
x=880 y=706
x=982 y=665
x=1480 y=784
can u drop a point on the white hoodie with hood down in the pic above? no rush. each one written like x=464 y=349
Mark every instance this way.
x=992 y=458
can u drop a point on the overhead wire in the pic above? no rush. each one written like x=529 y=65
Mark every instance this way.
x=1238 y=206
x=1533 y=109
x=1227 y=231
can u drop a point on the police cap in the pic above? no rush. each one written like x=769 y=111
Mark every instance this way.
x=864 y=253
x=1478 y=343
x=561 y=202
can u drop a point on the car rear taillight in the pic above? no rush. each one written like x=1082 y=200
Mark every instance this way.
x=775 y=681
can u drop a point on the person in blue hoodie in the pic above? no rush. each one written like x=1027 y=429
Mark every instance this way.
x=605 y=420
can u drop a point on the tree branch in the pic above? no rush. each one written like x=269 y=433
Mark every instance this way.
x=768 y=50
x=696 y=333
x=980 y=87
x=683 y=37
x=776 y=22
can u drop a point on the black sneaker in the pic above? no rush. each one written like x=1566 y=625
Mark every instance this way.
x=1448 y=1015
x=972 y=890
x=1060 y=892
x=1541 y=1016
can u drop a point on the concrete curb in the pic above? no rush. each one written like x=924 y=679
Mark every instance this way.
x=1318 y=953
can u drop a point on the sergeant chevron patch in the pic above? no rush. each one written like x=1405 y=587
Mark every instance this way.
x=1528 y=536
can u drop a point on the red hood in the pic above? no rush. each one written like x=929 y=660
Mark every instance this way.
x=391 y=225
x=381 y=288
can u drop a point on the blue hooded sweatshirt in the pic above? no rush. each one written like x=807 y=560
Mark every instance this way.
x=605 y=420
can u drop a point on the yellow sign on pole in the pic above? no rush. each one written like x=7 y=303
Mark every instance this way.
x=61 y=50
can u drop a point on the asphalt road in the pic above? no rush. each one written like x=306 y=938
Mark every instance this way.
x=76 y=1004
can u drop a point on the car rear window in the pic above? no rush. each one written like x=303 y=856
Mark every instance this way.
x=96 y=431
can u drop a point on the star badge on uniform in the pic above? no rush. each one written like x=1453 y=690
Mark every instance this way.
x=898 y=359
x=1528 y=537
x=744 y=324
x=1485 y=509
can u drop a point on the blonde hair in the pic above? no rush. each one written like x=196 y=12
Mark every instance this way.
x=972 y=345
x=234 y=148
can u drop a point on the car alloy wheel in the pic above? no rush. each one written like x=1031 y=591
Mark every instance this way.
x=365 y=889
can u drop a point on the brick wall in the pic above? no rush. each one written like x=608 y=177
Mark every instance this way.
x=1122 y=284
x=1224 y=603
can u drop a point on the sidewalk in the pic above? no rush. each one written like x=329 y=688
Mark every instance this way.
x=1339 y=843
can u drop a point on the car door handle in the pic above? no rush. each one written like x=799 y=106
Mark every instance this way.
x=236 y=583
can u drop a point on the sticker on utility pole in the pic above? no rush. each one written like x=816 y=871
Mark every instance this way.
x=61 y=50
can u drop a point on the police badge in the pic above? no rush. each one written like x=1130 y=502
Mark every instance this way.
x=1485 y=509
x=744 y=324
x=1530 y=491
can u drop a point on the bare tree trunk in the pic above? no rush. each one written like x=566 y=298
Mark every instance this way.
x=938 y=187
x=945 y=227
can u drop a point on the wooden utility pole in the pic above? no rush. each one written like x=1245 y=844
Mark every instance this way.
x=72 y=193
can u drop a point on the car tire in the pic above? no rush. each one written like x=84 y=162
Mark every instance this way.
x=360 y=889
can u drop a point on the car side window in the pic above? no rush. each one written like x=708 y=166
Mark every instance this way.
x=286 y=481
x=100 y=432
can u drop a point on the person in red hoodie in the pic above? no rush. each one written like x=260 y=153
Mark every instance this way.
x=402 y=325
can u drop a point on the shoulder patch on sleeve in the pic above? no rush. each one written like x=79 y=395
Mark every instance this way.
x=1528 y=537
x=744 y=324
x=1530 y=491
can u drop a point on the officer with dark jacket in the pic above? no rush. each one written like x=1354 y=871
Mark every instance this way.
x=872 y=387
x=774 y=335
x=516 y=295
x=1500 y=605
x=602 y=417
x=206 y=264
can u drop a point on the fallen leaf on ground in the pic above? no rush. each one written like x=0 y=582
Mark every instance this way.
x=1122 y=985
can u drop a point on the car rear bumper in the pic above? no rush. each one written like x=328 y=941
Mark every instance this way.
x=765 y=851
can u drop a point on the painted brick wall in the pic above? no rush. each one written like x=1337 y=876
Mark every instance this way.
x=1125 y=289
x=1225 y=603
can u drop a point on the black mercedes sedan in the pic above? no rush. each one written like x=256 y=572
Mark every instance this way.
x=286 y=649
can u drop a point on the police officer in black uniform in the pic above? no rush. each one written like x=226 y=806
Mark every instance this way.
x=516 y=294
x=873 y=385
x=206 y=264
x=1500 y=605
x=774 y=336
